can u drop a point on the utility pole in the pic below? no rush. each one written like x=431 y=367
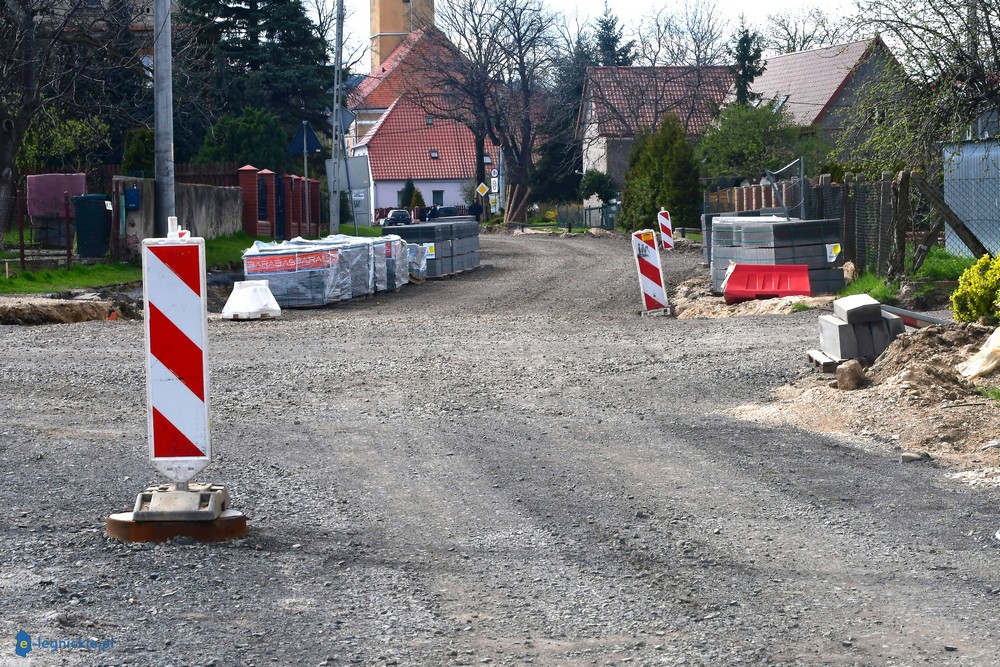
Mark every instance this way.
x=163 y=118
x=337 y=130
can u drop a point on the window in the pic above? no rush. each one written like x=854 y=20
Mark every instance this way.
x=487 y=159
x=434 y=154
x=399 y=199
x=781 y=103
x=437 y=197
x=430 y=120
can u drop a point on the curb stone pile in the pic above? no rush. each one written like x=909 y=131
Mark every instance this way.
x=858 y=329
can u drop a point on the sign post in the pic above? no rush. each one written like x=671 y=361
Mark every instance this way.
x=179 y=439
x=652 y=285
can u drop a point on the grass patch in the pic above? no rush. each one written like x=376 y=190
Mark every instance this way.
x=799 y=307
x=878 y=288
x=79 y=277
x=942 y=265
x=993 y=393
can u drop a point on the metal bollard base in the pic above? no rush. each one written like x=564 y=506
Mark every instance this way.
x=230 y=525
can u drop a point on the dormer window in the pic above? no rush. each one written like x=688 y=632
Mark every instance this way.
x=434 y=154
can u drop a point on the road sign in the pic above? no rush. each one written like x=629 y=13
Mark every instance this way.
x=173 y=279
x=494 y=202
x=666 y=230
x=494 y=173
x=647 y=263
x=495 y=184
x=482 y=189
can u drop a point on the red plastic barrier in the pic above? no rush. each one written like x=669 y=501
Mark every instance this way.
x=766 y=281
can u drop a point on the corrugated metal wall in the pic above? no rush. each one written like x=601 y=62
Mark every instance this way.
x=972 y=190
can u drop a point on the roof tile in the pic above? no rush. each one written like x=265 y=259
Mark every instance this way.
x=400 y=145
x=627 y=98
x=810 y=79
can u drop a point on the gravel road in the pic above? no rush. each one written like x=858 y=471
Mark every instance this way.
x=509 y=467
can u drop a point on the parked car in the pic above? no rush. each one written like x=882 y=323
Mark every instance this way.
x=446 y=211
x=398 y=216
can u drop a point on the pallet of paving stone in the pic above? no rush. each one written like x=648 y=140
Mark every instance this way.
x=823 y=361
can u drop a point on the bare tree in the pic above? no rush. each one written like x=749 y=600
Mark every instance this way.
x=495 y=79
x=681 y=70
x=696 y=36
x=944 y=86
x=809 y=28
x=58 y=54
x=324 y=14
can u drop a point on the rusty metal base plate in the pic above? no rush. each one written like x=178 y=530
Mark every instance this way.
x=230 y=525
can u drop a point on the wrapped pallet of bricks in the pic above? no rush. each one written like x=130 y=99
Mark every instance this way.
x=858 y=329
x=416 y=255
x=299 y=275
x=396 y=261
x=358 y=258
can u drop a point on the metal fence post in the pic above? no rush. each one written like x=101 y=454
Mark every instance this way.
x=69 y=232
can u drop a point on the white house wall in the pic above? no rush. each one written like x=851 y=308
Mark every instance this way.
x=385 y=192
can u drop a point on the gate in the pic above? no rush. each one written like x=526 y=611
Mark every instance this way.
x=279 y=210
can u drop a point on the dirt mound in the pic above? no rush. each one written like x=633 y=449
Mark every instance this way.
x=916 y=401
x=29 y=310
x=693 y=299
x=944 y=345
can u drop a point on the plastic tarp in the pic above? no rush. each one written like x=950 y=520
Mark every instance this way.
x=417 y=260
x=396 y=262
x=985 y=361
x=299 y=274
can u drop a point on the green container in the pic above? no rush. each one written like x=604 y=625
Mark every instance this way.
x=93 y=228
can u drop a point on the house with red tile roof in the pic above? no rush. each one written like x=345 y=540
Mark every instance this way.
x=404 y=141
x=816 y=86
x=439 y=154
x=618 y=102
x=387 y=82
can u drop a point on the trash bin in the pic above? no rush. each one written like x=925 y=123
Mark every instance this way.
x=92 y=226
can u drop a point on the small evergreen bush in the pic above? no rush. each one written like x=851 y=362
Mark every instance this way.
x=978 y=291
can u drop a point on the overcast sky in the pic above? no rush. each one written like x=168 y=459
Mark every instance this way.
x=358 y=28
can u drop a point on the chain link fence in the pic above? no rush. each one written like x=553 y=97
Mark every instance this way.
x=887 y=224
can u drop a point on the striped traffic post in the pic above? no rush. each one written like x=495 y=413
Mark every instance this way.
x=666 y=229
x=647 y=262
x=173 y=278
x=177 y=401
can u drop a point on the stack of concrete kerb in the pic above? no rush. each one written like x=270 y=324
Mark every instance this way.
x=451 y=247
x=773 y=240
x=858 y=329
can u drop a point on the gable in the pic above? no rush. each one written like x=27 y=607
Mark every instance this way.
x=621 y=100
x=810 y=82
x=399 y=146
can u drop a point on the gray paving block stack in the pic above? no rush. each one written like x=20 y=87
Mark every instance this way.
x=452 y=246
x=774 y=240
x=858 y=329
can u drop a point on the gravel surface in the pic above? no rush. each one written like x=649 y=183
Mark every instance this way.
x=509 y=467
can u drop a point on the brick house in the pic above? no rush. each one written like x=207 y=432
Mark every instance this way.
x=404 y=141
x=618 y=102
x=438 y=154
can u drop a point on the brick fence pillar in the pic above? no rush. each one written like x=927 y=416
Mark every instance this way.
x=248 y=182
x=291 y=227
x=270 y=194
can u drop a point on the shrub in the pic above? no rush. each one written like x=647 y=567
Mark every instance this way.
x=978 y=289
